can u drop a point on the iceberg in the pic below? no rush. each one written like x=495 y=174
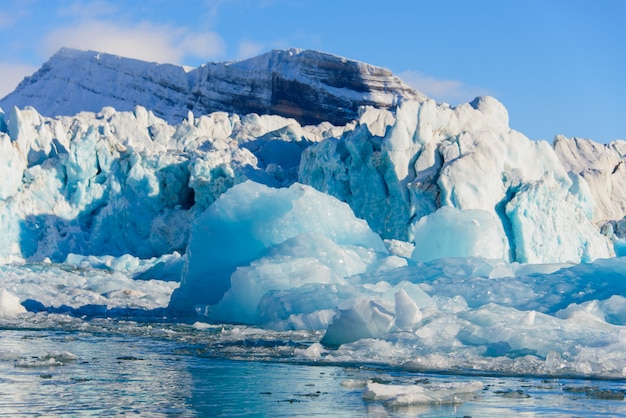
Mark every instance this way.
x=251 y=219
x=417 y=234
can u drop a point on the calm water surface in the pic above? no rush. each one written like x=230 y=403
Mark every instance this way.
x=127 y=369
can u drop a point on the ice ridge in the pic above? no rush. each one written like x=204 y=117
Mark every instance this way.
x=453 y=182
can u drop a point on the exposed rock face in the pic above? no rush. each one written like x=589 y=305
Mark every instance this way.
x=309 y=86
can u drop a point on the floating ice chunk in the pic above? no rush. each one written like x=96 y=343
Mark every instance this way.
x=313 y=352
x=203 y=326
x=365 y=318
x=307 y=307
x=62 y=288
x=587 y=310
x=167 y=267
x=407 y=312
x=47 y=360
x=615 y=309
x=249 y=284
x=380 y=392
x=317 y=319
x=10 y=304
x=249 y=219
x=405 y=395
x=354 y=383
x=554 y=361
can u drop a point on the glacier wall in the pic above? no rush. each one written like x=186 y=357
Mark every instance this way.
x=603 y=168
x=116 y=183
x=434 y=156
x=452 y=181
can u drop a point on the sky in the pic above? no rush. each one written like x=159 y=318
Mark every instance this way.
x=558 y=66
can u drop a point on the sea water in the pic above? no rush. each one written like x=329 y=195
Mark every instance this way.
x=60 y=365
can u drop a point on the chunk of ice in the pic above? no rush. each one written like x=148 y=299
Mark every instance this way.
x=10 y=304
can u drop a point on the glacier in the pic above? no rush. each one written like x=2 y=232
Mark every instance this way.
x=113 y=183
x=415 y=234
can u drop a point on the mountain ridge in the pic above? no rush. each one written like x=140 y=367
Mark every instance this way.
x=309 y=86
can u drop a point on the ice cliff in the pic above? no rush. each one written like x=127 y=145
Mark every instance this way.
x=434 y=156
x=127 y=182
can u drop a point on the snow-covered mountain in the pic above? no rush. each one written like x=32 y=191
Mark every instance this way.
x=309 y=86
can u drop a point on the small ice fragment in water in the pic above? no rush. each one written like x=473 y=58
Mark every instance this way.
x=404 y=395
x=47 y=360
x=313 y=352
x=10 y=304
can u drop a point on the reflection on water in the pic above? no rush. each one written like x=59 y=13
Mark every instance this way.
x=71 y=373
x=95 y=372
x=58 y=372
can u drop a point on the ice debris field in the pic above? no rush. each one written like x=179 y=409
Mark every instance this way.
x=433 y=238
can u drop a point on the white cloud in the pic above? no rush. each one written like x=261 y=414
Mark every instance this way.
x=248 y=49
x=202 y=45
x=145 y=41
x=450 y=91
x=11 y=74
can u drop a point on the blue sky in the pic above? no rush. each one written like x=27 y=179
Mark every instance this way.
x=559 y=66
